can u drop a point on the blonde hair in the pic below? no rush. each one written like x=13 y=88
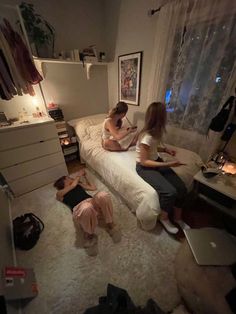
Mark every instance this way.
x=155 y=120
x=121 y=107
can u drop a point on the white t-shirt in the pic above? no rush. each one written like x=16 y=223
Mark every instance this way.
x=149 y=140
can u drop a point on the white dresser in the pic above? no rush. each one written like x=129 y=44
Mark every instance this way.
x=31 y=155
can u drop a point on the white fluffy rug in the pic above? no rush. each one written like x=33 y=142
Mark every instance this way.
x=70 y=281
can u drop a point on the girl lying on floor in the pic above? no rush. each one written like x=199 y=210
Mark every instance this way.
x=115 y=137
x=86 y=209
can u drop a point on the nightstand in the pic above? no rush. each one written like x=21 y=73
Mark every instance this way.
x=70 y=148
x=219 y=191
x=69 y=144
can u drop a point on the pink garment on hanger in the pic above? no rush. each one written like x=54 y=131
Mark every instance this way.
x=21 y=55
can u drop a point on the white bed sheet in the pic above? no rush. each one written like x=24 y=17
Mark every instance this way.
x=118 y=169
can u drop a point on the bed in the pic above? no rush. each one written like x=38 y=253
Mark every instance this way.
x=118 y=169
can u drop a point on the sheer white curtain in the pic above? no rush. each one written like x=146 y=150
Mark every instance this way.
x=199 y=70
x=171 y=16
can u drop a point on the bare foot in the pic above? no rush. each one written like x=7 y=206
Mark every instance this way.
x=114 y=232
x=90 y=240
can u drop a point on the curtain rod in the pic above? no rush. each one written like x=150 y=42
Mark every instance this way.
x=151 y=12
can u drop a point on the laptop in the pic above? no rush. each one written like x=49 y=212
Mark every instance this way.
x=212 y=246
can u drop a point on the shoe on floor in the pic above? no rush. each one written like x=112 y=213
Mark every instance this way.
x=169 y=227
x=183 y=225
x=115 y=234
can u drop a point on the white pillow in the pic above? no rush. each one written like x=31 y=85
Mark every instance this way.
x=95 y=131
x=93 y=119
x=81 y=124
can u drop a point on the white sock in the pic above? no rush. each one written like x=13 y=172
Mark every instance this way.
x=182 y=224
x=169 y=226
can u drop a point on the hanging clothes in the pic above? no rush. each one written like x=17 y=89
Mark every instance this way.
x=17 y=70
x=21 y=55
x=6 y=75
x=19 y=82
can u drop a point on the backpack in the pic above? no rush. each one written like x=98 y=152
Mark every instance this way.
x=218 y=122
x=26 y=230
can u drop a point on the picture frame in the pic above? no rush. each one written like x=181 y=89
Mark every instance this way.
x=129 y=77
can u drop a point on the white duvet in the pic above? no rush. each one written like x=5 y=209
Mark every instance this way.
x=118 y=169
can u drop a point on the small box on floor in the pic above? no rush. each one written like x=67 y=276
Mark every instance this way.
x=19 y=283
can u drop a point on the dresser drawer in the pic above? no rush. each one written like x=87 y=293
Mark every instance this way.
x=16 y=156
x=17 y=137
x=36 y=180
x=32 y=166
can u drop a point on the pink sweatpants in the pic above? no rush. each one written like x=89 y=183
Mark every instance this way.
x=86 y=212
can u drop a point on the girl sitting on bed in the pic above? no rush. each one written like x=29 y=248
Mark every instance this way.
x=170 y=188
x=86 y=209
x=114 y=136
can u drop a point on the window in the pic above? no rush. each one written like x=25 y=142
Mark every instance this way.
x=199 y=72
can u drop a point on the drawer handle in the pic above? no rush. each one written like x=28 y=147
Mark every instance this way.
x=41 y=141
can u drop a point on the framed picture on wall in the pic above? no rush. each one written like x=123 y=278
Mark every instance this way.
x=129 y=69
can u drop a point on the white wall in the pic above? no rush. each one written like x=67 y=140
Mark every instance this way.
x=13 y=107
x=136 y=33
x=67 y=86
x=78 y=23
x=111 y=17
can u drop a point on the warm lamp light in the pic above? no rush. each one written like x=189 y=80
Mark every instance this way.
x=230 y=168
x=35 y=101
x=65 y=141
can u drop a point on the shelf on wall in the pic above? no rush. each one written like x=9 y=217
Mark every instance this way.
x=88 y=65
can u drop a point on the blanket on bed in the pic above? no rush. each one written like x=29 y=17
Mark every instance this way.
x=118 y=169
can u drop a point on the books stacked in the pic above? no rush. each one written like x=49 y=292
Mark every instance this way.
x=57 y=115
x=90 y=54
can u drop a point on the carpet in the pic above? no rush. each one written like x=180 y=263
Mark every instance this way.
x=70 y=281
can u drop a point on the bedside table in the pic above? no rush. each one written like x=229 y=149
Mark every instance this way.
x=219 y=191
x=70 y=150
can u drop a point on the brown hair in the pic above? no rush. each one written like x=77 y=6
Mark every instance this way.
x=155 y=120
x=60 y=183
x=121 y=107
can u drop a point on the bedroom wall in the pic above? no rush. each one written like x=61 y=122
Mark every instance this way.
x=78 y=23
x=136 y=33
x=67 y=86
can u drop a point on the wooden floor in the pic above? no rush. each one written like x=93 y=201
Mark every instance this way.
x=74 y=166
x=199 y=214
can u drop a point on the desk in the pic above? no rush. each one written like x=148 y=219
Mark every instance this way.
x=219 y=191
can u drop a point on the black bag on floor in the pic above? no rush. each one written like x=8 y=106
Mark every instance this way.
x=118 y=301
x=27 y=229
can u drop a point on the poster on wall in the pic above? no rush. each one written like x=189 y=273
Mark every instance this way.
x=129 y=77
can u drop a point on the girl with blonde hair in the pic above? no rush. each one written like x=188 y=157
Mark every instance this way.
x=158 y=173
x=116 y=137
